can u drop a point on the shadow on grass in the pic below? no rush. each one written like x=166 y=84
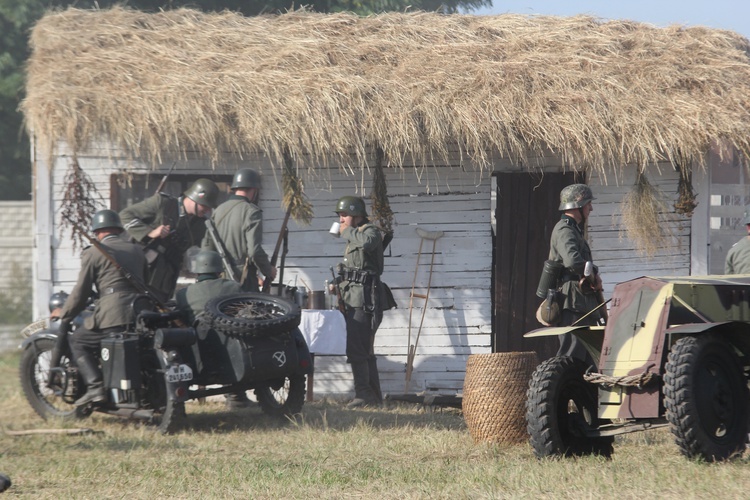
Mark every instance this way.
x=323 y=415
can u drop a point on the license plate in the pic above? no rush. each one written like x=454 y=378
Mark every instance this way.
x=179 y=373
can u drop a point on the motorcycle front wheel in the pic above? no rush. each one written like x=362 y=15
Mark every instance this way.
x=33 y=372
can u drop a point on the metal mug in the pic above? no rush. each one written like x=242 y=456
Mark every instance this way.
x=335 y=228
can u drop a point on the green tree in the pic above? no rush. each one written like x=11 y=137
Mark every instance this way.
x=18 y=16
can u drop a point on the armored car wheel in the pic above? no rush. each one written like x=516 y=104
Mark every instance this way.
x=34 y=370
x=252 y=314
x=706 y=398
x=559 y=406
x=282 y=397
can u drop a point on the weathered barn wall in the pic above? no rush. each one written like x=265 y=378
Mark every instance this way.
x=449 y=198
x=445 y=198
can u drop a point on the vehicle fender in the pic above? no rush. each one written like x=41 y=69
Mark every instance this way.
x=173 y=386
x=560 y=330
x=41 y=334
x=592 y=337
x=693 y=328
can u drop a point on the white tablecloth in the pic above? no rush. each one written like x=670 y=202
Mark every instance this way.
x=324 y=330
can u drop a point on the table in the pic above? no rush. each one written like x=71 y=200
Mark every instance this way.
x=324 y=330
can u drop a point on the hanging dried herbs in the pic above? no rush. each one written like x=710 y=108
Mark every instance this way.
x=685 y=203
x=382 y=215
x=78 y=203
x=641 y=208
x=294 y=198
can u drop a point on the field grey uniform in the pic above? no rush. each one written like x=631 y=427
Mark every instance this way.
x=192 y=299
x=567 y=245
x=166 y=262
x=239 y=223
x=112 y=311
x=364 y=252
x=738 y=257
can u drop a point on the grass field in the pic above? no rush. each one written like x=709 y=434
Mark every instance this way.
x=329 y=452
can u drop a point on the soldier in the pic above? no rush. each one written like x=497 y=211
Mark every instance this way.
x=113 y=311
x=192 y=299
x=569 y=247
x=239 y=223
x=738 y=257
x=167 y=227
x=359 y=286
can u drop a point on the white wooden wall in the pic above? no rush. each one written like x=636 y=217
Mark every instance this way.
x=613 y=252
x=441 y=198
x=445 y=198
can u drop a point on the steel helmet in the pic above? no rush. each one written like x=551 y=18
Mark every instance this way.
x=203 y=192
x=246 y=178
x=57 y=300
x=353 y=205
x=106 y=219
x=747 y=214
x=207 y=261
x=575 y=196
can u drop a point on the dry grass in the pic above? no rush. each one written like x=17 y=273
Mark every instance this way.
x=642 y=210
x=602 y=94
x=330 y=452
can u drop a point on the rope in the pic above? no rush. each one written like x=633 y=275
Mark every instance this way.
x=638 y=381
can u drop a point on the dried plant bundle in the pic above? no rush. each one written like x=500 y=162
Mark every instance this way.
x=641 y=209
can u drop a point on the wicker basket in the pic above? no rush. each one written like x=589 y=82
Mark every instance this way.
x=494 y=398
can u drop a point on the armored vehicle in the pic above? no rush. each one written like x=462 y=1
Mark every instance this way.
x=675 y=352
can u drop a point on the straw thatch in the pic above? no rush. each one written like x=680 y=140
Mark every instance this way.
x=599 y=93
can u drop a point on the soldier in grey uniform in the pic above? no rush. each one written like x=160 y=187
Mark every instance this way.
x=359 y=284
x=113 y=311
x=569 y=246
x=192 y=299
x=239 y=223
x=167 y=227
x=738 y=257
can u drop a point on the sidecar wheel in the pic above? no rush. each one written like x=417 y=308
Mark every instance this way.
x=283 y=397
x=252 y=315
x=33 y=372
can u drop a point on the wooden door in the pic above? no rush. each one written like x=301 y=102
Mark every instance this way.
x=526 y=211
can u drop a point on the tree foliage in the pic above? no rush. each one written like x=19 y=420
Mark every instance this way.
x=18 y=16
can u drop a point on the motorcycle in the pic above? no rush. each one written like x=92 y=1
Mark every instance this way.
x=248 y=341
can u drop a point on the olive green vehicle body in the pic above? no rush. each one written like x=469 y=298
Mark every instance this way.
x=646 y=317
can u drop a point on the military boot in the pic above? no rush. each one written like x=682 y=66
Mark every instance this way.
x=363 y=393
x=372 y=365
x=91 y=374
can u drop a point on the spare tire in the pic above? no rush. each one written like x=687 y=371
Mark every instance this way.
x=251 y=315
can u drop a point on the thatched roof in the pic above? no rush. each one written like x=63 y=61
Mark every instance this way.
x=600 y=93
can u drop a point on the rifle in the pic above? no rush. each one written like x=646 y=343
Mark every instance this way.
x=342 y=305
x=139 y=285
x=221 y=249
x=164 y=179
x=590 y=276
x=275 y=256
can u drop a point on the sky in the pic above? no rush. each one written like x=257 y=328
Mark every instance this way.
x=724 y=14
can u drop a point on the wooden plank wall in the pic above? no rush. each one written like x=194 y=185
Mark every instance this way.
x=614 y=253
x=445 y=198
